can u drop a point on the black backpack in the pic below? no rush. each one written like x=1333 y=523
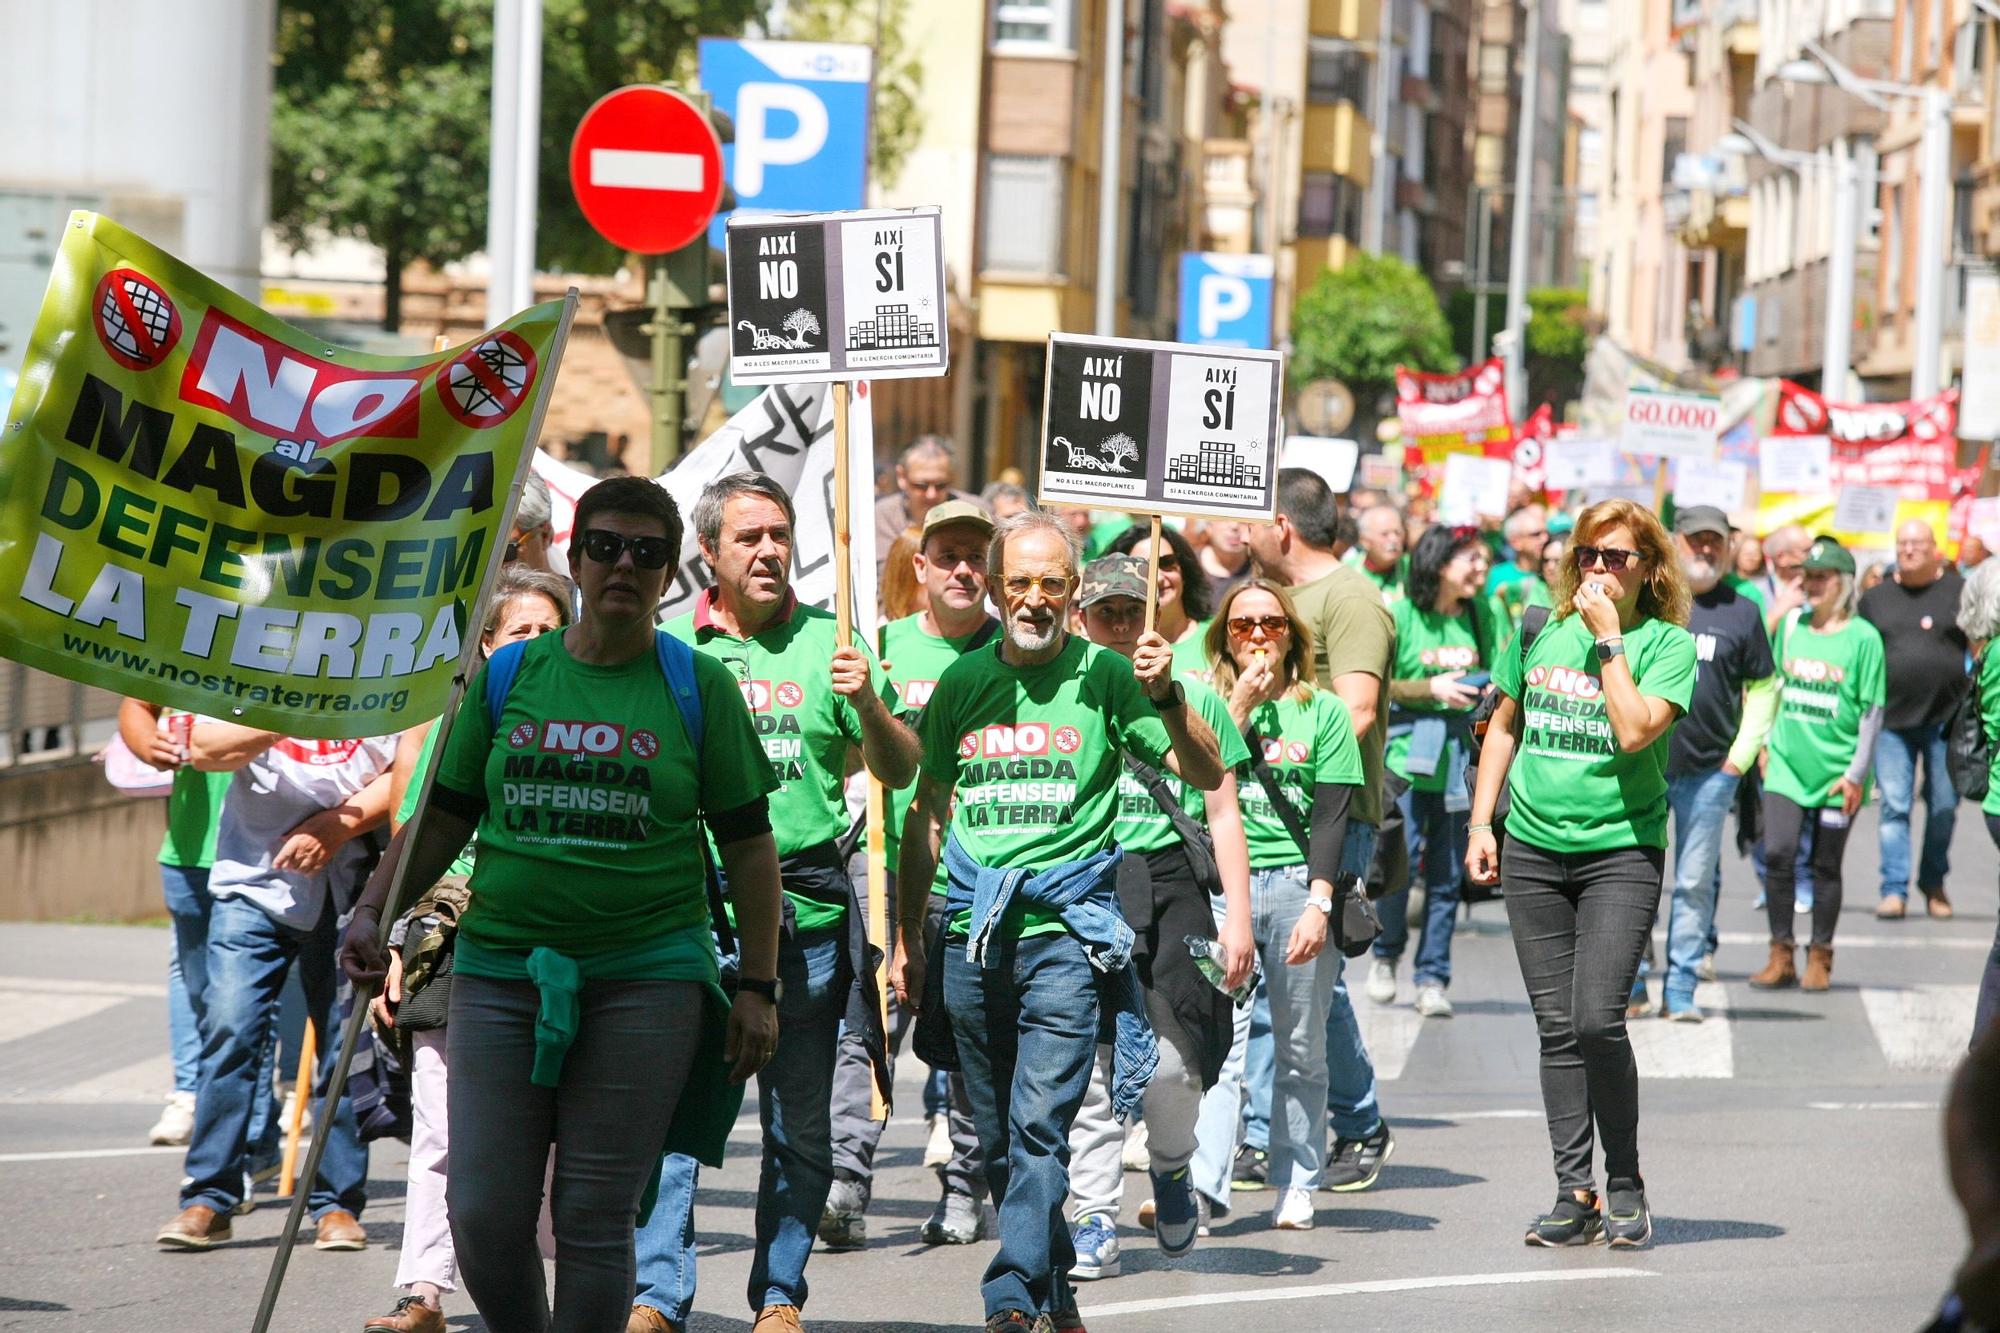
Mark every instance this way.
x=1968 y=757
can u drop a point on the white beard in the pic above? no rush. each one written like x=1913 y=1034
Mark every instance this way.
x=1029 y=640
x=1701 y=575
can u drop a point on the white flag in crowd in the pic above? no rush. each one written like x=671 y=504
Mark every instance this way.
x=786 y=432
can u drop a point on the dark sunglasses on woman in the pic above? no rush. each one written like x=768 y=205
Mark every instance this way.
x=1611 y=557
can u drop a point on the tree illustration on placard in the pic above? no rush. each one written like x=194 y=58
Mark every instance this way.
x=801 y=323
x=1118 y=449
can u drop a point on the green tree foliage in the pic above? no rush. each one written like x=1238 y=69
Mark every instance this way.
x=1358 y=323
x=1559 y=334
x=894 y=123
x=379 y=127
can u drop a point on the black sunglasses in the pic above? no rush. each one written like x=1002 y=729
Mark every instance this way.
x=647 y=552
x=1612 y=558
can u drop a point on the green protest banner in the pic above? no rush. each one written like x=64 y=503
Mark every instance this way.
x=207 y=508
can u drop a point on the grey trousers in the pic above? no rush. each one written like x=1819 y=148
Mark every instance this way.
x=1097 y=1140
x=1580 y=923
x=856 y=1133
x=608 y=1119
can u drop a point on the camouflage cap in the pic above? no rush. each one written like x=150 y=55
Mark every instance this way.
x=1112 y=576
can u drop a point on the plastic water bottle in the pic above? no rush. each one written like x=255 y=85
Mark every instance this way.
x=1209 y=958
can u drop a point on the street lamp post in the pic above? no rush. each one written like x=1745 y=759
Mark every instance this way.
x=1934 y=205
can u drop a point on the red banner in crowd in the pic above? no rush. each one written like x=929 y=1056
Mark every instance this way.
x=1911 y=447
x=1460 y=413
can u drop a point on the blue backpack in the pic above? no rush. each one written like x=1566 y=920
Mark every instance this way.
x=677 y=665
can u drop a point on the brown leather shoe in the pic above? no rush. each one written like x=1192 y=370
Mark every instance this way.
x=339 y=1231
x=1780 y=972
x=1819 y=968
x=1938 y=905
x=778 y=1319
x=195 y=1227
x=645 y=1319
x=411 y=1315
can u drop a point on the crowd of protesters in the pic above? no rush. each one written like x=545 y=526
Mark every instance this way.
x=1145 y=801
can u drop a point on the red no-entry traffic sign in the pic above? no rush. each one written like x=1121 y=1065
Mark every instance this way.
x=646 y=167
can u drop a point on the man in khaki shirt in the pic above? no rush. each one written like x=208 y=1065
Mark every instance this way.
x=1354 y=642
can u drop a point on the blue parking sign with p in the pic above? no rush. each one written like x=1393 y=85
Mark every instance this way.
x=1226 y=300
x=801 y=116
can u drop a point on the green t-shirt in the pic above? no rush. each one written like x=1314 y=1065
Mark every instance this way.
x=916 y=659
x=1392 y=582
x=1503 y=573
x=1305 y=744
x=1105 y=531
x=1142 y=826
x=1748 y=589
x=590 y=841
x=1517 y=595
x=806 y=728
x=1032 y=754
x=1353 y=631
x=1828 y=682
x=1989 y=716
x=1537 y=595
x=1191 y=656
x=194 y=813
x=1429 y=643
x=461 y=864
x=1572 y=789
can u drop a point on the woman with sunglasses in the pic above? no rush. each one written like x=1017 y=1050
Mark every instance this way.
x=1184 y=600
x=1830 y=669
x=1302 y=743
x=1583 y=720
x=527 y=602
x=585 y=1009
x=1446 y=637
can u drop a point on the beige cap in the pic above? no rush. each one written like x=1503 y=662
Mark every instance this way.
x=956 y=511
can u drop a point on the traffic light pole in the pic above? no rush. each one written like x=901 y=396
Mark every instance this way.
x=678 y=282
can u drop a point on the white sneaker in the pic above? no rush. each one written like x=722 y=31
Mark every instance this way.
x=1705 y=970
x=937 y=1150
x=1382 y=981
x=1431 y=1001
x=176 y=1123
x=1294 y=1211
x=1138 y=1155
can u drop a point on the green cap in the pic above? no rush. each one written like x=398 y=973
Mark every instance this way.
x=1112 y=576
x=1826 y=553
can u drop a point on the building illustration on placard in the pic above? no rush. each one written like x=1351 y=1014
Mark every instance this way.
x=1215 y=464
x=893 y=326
x=1111 y=455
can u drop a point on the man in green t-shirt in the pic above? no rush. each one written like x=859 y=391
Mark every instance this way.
x=1023 y=743
x=1527 y=531
x=951 y=566
x=809 y=715
x=1379 y=553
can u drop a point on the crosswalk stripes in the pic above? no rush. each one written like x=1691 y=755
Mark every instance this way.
x=1388 y=1031
x=1922 y=1027
x=25 y=1011
x=1688 y=1050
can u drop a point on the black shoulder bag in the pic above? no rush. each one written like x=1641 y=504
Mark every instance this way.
x=1195 y=840
x=1354 y=923
x=1533 y=621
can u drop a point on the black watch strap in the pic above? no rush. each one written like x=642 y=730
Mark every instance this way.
x=766 y=987
x=1176 y=698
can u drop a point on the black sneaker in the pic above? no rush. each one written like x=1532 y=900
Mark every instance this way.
x=1628 y=1222
x=1014 y=1321
x=1253 y=1169
x=1570 y=1222
x=1357 y=1163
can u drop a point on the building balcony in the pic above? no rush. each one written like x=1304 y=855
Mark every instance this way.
x=1356 y=20
x=1715 y=221
x=1736 y=21
x=1336 y=139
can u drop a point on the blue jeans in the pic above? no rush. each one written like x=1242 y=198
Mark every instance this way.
x=1701 y=803
x=185 y=889
x=1299 y=999
x=1027 y=1032
x=1260 y=1060
x=794 y=1098
x=1437 y=839
x=1896 y=756
x=248 y=956
x=1350 y=1074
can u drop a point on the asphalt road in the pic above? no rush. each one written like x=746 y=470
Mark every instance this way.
x=1791 y=1150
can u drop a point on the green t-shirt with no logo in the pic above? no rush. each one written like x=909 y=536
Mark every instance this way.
x=194 y=813
x=1191 y=662
x=1989 y=715
x=1571 y=788
x=1392 y=582
x=461 y=864
x=1353 y=631
x=1142 y=826
x=1827 y=683
x=591 y=840
x=915 y=660
x=1305 y=744
x=786 y=680
x=1033 y=755
x=1430 y=643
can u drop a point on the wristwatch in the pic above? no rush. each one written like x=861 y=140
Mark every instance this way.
x=1176 y=697
x=1322 y=902
x=770 y=988
x=1610 y=648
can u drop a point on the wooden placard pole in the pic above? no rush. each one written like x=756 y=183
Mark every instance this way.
x=1660 y=487
x=1153 y=576
x=295 y=1119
